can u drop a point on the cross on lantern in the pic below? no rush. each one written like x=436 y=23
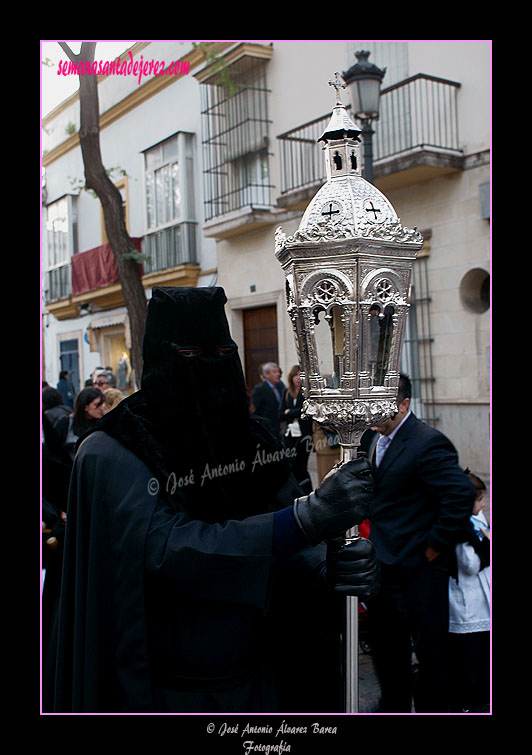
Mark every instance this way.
x=372 y=209
x=338 y=84
x=331 y=211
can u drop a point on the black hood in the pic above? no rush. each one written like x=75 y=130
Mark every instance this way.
x=190 y=420
x=192 y=371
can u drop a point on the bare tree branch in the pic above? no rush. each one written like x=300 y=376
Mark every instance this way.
x=66 y=49
x=96 y=178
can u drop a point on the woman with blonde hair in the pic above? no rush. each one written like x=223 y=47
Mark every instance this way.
x=112 y=397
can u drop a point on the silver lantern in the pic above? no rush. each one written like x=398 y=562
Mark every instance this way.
x=348 y=268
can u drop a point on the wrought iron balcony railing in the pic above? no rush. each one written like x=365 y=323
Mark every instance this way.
x=58 y=283
x=166 y=248
x=170 y=247
x=418 y=112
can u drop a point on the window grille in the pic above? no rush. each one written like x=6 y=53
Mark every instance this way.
x=235 y=138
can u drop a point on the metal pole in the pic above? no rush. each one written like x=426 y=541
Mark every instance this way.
x=351 y=655
x=367 y=136
x=350 y=649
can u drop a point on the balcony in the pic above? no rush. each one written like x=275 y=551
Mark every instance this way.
x=236 y=154
x=416 y=138
x=173 y=256
x=92 y=276
x=58 y=283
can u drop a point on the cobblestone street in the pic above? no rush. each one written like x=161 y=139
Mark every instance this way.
x=368 y=686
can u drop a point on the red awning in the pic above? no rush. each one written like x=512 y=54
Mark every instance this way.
x=96 y=268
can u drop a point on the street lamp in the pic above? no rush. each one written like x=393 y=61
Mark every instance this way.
x=347 y=270
x=364 y=80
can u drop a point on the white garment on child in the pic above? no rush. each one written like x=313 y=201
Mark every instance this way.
x=294 y=429
x=469 y=596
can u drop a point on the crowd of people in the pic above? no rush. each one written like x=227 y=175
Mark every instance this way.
x=193 y=565
x=66 y=416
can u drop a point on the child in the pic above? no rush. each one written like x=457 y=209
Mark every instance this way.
x=469 y=614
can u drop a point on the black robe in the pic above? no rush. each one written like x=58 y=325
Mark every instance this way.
x=55 y=484
x=172 y=600
x=158 y=612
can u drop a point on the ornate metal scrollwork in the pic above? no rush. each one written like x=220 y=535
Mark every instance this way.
x=350 y=418
x=325 y=291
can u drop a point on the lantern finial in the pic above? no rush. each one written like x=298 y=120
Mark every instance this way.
x=338 y=84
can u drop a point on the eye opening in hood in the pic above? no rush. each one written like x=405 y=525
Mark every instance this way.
x=226 y=350
x=189 y=353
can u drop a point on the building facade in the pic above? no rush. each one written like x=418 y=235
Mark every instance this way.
x=151 y=146
x=210 y=162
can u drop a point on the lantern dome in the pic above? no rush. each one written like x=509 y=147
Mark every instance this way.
x=347 y=205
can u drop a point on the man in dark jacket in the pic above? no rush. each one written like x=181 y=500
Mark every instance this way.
x=183 y=519
x=267 y=396
x=420 y=511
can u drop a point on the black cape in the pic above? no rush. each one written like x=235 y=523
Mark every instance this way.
x=124 y=537
x=168 y=580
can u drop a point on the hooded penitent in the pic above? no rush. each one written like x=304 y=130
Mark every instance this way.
x=190 y=422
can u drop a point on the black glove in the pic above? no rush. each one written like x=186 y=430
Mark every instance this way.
x=353 y=569
x=341 y=501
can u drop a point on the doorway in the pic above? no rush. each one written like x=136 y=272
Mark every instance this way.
x=116 y=355
x=69 y=360
x=260 y=341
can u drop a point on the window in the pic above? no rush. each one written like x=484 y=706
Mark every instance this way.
x=60 y=236
x=235 y=138
x=170 y=207
x=61 y=244
x=163 y=194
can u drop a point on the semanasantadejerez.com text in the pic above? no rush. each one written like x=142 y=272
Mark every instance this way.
x=117 y=67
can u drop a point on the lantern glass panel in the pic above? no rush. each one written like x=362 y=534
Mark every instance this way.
x=329 y=339
x=380 y=329
x=301 y=344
